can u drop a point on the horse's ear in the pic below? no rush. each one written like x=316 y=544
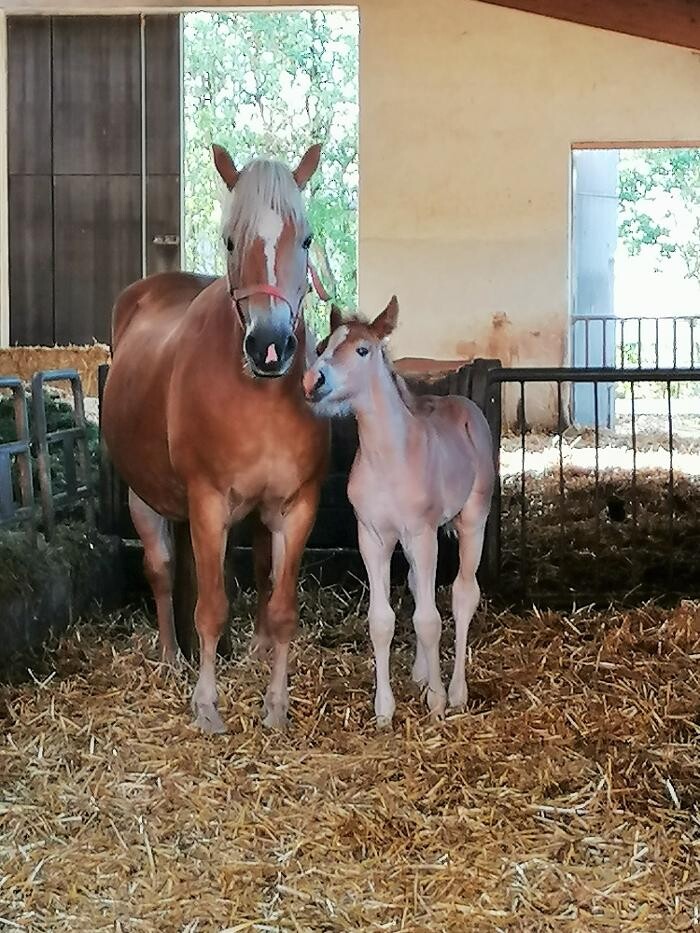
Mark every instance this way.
x=336 y=317
x=224 y=166
x=387 y=320
x=308 y=165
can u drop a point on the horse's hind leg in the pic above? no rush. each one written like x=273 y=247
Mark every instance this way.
x=154 y=532
x=470 y=525
x=262 y=568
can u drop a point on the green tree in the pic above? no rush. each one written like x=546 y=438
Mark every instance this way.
x=270 y=84
x=648 y=174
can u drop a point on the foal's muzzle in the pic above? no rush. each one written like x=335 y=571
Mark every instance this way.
x=315 y=387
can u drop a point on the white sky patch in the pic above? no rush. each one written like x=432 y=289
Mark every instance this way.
x=269 y=231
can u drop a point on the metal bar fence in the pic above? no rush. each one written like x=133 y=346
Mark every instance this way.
x=667 y=341
x=604 y=528
x=17 y=505
x=57 y=460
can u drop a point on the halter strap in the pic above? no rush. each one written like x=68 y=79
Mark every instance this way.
x=240 y=294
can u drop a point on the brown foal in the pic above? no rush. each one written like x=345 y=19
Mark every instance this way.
x=205 y=418
x=422 y=462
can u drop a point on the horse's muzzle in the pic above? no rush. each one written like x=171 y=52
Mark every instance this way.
x=270 y=354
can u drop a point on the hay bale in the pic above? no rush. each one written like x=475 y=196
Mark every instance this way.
x=25 y=361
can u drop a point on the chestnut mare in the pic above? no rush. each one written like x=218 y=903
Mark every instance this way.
x=422 y=462
x=205 y=419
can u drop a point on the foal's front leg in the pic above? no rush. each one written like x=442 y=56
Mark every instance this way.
x=422 y=552
x=376 y=553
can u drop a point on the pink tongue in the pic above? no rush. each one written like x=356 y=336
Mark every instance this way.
x=271 y=354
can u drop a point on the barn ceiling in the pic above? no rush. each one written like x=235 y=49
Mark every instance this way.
x=673 y=21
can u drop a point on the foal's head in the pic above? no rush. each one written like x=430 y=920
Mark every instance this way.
x=348 y=358
x=267 y=236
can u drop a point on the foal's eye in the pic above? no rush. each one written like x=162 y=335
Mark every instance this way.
x=229 y=245
x=362 y=351
x=307 y=242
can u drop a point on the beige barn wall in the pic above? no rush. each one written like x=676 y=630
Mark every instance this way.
x=468 y=114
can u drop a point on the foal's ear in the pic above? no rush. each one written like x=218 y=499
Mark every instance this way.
x=224 y=166
x=383 y=325
x=308 y=165
x=336 y=317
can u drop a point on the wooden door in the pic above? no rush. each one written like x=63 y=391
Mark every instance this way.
x=87 y=197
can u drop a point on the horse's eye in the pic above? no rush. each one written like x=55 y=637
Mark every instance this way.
x=229 y=245
x=307 y=242
x=362 y=351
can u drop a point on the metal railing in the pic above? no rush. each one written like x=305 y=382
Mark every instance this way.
x=17 y=489
x=31 y=459
x=593 y=531
x=641 y=341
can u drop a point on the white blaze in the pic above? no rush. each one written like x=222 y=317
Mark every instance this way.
x=269 y=231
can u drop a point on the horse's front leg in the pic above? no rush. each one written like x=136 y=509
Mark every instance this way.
x=290 y=533
x=209 y=515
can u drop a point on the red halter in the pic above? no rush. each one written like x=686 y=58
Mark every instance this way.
x=240 y=294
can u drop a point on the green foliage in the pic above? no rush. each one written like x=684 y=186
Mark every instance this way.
x=650 y=173
x=270 y=84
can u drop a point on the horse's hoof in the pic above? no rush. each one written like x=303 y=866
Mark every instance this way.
x=458 y=695
x=384 y=723
x=275 y=719
x=260 y=649
x=209 y=721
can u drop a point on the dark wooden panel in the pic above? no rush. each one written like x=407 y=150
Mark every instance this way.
x=97 y=95
x=31 y=260
x=162 y=219
x=674 y=21
x=162 y=53
x=29 y=95
x=97 y=224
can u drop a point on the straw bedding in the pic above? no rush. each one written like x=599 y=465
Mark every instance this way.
x=565 y=798
x=619 y=541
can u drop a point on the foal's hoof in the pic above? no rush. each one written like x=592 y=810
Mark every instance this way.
x=275 y=719
x=458 y=695
x=437 y=703
x=208 y=719
x=384 y=723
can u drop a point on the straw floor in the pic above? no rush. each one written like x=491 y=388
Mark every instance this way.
x=565 y=798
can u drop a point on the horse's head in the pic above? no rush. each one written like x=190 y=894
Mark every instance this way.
x=347 y=360
x=267 y=236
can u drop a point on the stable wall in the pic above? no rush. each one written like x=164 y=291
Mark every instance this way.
x=468 y=116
